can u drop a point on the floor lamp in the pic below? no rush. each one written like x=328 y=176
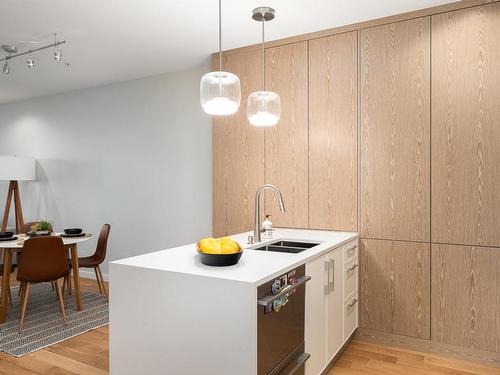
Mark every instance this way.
x=14 y=169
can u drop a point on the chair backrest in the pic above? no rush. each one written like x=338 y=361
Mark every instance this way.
x=102 y=243
x=27 y=226
x=43 y=259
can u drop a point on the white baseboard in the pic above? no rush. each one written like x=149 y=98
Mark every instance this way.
x=90 y=274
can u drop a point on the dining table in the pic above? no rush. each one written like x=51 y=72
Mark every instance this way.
x=14 y=246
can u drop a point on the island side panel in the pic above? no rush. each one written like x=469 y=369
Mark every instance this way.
x=173 y=323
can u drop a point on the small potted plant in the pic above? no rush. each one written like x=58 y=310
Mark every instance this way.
x=43 y=228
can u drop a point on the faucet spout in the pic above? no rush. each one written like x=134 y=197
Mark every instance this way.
x=279 y=198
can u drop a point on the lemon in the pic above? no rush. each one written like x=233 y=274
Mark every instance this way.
x=210 y=246
x=223 y=245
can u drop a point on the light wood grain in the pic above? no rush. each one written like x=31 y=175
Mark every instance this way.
x=466 y=296
x=395 y=129
x=369 y=357
x=364 y=25
x=395 y=287
x=333 y=159
x=286 y=143
x=238 y=154
x=465 y=126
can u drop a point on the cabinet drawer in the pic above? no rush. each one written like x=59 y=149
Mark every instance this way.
x=350 y=251
x=350 y=315
x=351 y=277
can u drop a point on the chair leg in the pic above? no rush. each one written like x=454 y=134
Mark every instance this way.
x=20 y=289
x=69 y=282
x=61 y=301
x=53 y=287
x=97 y=279
x=64 y=284
x=10 y=297
x=24 y=302
x=102 y=282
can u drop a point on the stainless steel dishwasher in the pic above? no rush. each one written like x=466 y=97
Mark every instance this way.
x=280 y=324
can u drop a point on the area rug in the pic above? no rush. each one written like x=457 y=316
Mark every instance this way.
x=43 y=322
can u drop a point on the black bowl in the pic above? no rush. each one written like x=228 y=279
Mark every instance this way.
x=220 y=260
x=73 y=231
x=6 y=234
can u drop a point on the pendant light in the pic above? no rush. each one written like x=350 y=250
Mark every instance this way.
x=220 y=92
x=263 y=107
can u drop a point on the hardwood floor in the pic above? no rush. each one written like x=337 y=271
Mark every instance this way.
x=88 y=354
x=362 y=357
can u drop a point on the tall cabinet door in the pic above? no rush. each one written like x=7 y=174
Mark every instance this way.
x=238 y=153
x=333 y=135
x=286 y=143
x=465 y=126
x=395 y=131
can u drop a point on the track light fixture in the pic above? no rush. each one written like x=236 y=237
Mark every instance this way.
x=6 y=67
x=30 y=58
x=57 y=51
x=30 y=61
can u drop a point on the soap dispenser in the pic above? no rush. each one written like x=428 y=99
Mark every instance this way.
x=267 y=225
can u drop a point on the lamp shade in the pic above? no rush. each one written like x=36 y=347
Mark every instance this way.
x=263 y=108
x=17 y=168
x=220 y=93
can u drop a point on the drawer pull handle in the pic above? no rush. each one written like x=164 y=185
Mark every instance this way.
x=352 y=268
x=353 y=302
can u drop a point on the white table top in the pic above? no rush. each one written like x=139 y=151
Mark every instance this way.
x=17 y=244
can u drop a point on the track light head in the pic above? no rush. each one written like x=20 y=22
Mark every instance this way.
x=30 y=61
x=57 y=51
x=6 y=67
x=57 y=54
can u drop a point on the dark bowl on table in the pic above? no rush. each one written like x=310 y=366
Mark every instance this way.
x=220 y=260
x=73 y=231
x=6 y=234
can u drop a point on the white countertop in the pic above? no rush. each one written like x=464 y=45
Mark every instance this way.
x=254 y=267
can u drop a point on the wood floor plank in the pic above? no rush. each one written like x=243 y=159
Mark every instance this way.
x=362 y=357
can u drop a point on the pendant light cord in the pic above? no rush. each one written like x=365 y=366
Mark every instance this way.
x=263 y=56
x=220 y=36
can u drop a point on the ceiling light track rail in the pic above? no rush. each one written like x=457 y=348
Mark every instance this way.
x=9 y=57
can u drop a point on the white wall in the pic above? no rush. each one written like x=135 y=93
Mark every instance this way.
x=136 y=155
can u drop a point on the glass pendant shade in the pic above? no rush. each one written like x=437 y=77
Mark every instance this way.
x=220 y=93
x=263 y=108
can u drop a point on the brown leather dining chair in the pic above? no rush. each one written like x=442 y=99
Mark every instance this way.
x=26 y=228
x=95 y=260
x=43 y=259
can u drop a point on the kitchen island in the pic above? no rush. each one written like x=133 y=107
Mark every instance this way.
x=170 y=314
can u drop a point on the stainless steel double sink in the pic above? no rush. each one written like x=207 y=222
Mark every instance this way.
x=287 y=246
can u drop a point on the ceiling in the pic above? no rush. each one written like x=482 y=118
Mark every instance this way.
x=118 y=40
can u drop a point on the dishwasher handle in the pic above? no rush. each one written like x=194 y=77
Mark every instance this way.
x=299 y=362
x=289 y=288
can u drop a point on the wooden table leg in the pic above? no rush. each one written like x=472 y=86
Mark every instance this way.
x=4 y=304
x=76 y=275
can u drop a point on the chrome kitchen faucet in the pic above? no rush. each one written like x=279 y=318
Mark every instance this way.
x=279 y=197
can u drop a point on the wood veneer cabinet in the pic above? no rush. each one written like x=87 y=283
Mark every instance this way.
x=238 y=153
x=395 y=131
x=466 y=126
x=466 y=296
x=395 y=287
x=286 y=154
x=333 y=132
